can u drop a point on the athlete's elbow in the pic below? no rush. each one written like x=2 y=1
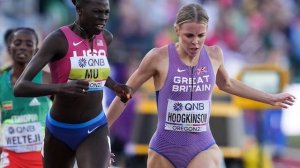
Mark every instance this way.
x=224 y=85
x=18 y=90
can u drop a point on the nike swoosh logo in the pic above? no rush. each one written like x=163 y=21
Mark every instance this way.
x=76 y=44
x=90 y=131
x=180 y=70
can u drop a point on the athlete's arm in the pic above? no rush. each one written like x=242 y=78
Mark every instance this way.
x=145 y=71
x=49 y=49
x=53 y=48
x=124 y=92
x=235 y=87
x=47 y=80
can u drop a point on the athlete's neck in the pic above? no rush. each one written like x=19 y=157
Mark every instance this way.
x=83 y=32
x=16 y=72
x=187 y=59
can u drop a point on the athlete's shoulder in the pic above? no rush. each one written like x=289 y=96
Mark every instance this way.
x=155 y=57
x=56 y=34
x=214 y=52
x=3 y=78
x=54 y=44
x=108 y=36
x=4 y=69
x=158 y=52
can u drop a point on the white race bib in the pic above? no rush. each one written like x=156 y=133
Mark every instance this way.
x=22 y=137
x=95 y=69
x=187 y=116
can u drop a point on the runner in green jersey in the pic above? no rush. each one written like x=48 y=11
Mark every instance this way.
x=22 y=119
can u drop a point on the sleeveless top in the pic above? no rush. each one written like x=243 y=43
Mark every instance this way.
x=184 y=102
x=22 y=118
x=81 y=62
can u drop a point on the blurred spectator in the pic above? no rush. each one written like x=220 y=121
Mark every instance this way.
x=5 y=61
x=294 y=37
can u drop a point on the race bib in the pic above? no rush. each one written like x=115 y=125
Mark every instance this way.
x=187 y=116
x=95 y=69
x=22 y=137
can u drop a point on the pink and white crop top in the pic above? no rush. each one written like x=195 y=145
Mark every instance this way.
x=82 y=62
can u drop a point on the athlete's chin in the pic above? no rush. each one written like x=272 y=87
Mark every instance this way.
x=193 y=53
x=22 y=60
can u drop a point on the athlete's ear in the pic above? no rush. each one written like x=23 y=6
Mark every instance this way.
x=78 y=9
x=8 y=49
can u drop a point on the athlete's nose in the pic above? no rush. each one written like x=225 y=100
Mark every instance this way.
x=195 y=41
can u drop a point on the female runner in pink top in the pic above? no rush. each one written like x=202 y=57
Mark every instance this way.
x=76 y=126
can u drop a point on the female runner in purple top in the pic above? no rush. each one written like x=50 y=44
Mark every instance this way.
x=184 y=75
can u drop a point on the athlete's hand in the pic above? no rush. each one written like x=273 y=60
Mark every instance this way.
x=124 y=92
x=75 y=87
x=112 y=160
x=283 y=100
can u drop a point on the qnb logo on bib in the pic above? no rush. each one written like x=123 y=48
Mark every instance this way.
x=188 y=116
x=89 y=62
x=82 y=62
x=95 y=69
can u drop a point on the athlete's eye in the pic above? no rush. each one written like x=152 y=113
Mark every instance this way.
x=17 y=42
x=189 y=35
x=201 y=35
x=29 y=43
